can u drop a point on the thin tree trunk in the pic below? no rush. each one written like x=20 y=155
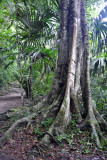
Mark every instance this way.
x=19 y=61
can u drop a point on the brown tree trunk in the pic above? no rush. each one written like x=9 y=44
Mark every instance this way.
x=72 y=80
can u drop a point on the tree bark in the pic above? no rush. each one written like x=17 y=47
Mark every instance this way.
x=72 y=80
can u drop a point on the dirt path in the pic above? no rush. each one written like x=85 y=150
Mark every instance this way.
x=11 y=98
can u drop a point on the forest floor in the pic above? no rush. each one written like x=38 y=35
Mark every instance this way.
x=75 y=145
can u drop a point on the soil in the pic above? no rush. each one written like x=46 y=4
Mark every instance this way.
x=26 y=146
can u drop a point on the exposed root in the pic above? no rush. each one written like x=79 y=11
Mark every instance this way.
x=99 y=118
x=95 y=133
x=52 y=137
x=46 y=138
x=8 y=134
x=38 y=149
x=53 y=107
x=35 y=108
x=28 y=125
x=18 y=114
x=95 y=119
x=60 y=123
x=84 y=124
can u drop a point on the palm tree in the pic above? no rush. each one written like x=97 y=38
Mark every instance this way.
x=99 y=41
x=36 y=29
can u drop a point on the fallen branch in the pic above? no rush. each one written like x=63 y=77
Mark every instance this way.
x=8 y=134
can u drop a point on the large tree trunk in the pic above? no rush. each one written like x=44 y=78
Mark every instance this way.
x=71 y=87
